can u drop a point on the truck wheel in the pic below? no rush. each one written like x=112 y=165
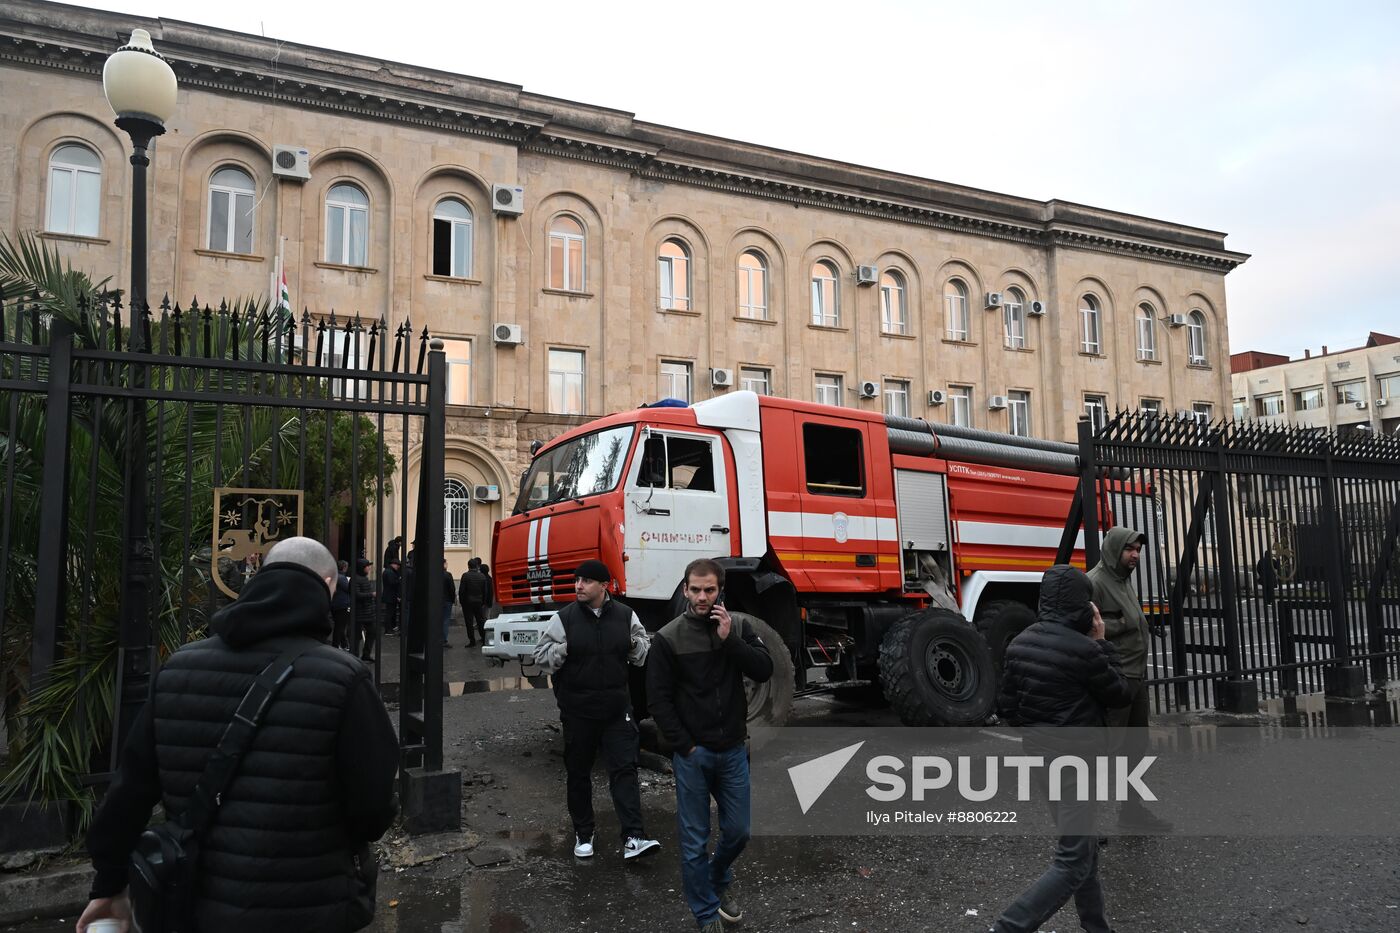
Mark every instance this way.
x=937 y=671
x=770 y=703
x=999 y=622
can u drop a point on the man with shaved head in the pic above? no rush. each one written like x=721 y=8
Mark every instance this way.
x=288 y=848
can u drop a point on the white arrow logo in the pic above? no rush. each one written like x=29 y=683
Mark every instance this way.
x=811 y=778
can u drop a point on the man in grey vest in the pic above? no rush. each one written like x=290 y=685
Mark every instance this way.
x=587 y=648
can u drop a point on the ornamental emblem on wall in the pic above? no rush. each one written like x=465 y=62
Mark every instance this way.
x=247 y=523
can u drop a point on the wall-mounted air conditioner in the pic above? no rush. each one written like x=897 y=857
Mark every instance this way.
x=869 y=389
x=291 y=162
x=1037 y=308
x=996 y=402
x=867 y=275
x=486 y=493
x=508 y=199
x=937 y=396
x=1176 y=320
x=994 y=300
x=721 y=378
x=508 y=335
x=1382 y=402
x=1360 y=405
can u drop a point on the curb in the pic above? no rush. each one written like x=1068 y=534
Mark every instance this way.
x=59 y=892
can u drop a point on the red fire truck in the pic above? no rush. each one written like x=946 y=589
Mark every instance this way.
x=868 y=545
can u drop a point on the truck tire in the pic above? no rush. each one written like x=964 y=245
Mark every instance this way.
x=999 y=621
x=770 y=703
x=937 y=671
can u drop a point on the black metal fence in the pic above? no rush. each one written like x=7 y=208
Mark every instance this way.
x=1271 y=568
x=229 y=428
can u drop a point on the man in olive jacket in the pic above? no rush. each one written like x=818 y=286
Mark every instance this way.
x=1125 y=627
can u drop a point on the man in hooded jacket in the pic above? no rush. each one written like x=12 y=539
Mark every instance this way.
x=1125 y=626
x=289 y=847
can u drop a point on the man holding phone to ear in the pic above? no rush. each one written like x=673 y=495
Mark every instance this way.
x=695 y=690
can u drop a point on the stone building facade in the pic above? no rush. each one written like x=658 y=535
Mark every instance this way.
x=637 y=261
x=1340 y=390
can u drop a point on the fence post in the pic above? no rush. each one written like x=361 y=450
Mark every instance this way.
x=1344 y=678
x=51 y=559
x=1088 y=492
x=1236 y=693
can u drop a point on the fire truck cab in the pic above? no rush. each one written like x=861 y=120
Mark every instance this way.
x=870 y=546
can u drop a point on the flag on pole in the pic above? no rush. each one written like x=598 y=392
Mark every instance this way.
x=284 y=297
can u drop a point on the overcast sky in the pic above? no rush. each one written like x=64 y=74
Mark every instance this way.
x=1275 y=122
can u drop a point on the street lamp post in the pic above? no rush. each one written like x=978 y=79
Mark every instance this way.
x=140 y=86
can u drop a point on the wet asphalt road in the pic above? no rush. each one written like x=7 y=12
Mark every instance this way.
x=505 y=740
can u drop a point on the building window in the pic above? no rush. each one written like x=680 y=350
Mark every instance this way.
x=1018 y=406
x=829 y=389
x=675 y=380
x=1096 y=407
x=1240 y=409
x=826 y=310
x=1090 y=325
x=452 y=239
x=1196 y=338
x=459 y=371
x=566 y=382
x=897 y=397
x=1151 y=407
x=960 y=405
x=457 y=513
x=1202 y=412
x=231 y=201
x=1013 y=317
x=566 y=254
x=957 y=324
x=75 y=190
x=1308 y=399
x=1266 y=405
x=1146 y=332
x=347 y=226
x=1388 y=386
x=1349 y=393
x=753 y=285
x=894 y=305
x=835 y=460
x=673 y=276
x=756 y=379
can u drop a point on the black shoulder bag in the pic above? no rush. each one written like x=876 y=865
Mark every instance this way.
x=164 y=864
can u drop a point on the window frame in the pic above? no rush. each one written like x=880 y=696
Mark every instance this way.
x=566 y=240
x=685 y=369
x=1014 y=313
x=1090 y=325
x=746 y=275
x=666 y=293
x=1018 y=399
x=455 y=231
x=1344 y=397
x=464 y=502
x=1146 y=333
x=745 y=378
x=230 y=215
x=837 y=385
x=1264 y=402
x=71 y=172
x=955 y=310
x=1202 y=412
x=1151 y=407
x=1388 y=385
x=458 y=364
x=1309 y=398
x=565 y=378
x=1196 y=338
x=893 y=389
x=963 y=394
x=819 y=315
x=894 y=303
x=348 y=209
x=1096 y=407
x=828 y=489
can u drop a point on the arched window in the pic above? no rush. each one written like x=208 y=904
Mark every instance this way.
x=753 y=285
x=457 y=510
x=1090 y=325
x=1196 y=338
x=231 y=200
x=566 y=254
x=1013 y=317
x=452 y=239
x=1146 y=332
x=673 y=276
x=347 y=226
x=957 y=324
x=894 y=306
x=826 y=297
x=75 y=190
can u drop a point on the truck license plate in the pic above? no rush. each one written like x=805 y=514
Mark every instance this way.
x=524 y=638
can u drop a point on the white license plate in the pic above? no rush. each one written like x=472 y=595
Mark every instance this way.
x=523 y=638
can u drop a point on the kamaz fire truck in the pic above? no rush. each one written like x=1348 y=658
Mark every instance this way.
x=871 y=546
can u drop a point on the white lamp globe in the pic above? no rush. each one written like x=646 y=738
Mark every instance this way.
x=138 y=81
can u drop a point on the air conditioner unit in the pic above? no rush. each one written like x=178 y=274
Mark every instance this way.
x=1360 y=405
x=486 y=493
x=867 y=275
x=508 y=335
x=993 y=300
x=508 y=199
x=1382 y=402
x=937 y=396
x=1176 y=320
x=996 y=402
x=291 y=162
x=721 y=377
x=1037 y=308
x=869 y=389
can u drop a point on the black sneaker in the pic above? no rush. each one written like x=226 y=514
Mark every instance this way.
x=729 y=909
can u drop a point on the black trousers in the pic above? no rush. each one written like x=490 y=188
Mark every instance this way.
x=617 y=739
x=340 y=632
x=474 y=616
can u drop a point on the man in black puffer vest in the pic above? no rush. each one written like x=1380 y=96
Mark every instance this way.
x=587 y=647
x=289 y=849
x=1061 y=672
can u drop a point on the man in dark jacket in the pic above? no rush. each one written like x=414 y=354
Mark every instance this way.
x=289 y=847
x=490 y=595
x=366 y=611
x=473 y=595
x=695 y=690
x=1061 y=672
x=449 y=599
x=340 y=606
x=392 y=580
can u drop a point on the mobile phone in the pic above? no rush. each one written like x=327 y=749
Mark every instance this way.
x=719 y=601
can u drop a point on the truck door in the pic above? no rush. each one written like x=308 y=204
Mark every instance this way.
x=841 y=533
x=677 y=509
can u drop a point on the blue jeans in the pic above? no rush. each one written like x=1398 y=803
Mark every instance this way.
x=702 y=775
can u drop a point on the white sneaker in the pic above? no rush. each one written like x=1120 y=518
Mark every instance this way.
x=636 y=847
x=583 y=848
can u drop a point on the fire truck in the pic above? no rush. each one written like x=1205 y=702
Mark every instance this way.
x=870 y=546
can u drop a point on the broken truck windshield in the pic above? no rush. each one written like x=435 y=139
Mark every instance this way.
x=582 y=467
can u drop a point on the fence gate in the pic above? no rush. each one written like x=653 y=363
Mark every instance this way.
x=142 y=487
x=1271 y=568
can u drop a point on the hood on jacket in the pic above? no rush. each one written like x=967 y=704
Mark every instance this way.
x=1111 y=553
x=1065 y=593
x=281 y=599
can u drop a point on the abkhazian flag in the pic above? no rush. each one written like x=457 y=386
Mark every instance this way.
x=284 y=296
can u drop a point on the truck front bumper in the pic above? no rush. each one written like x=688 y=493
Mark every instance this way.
x=512 y=636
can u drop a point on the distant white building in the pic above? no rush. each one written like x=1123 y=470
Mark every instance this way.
x=1357 y=389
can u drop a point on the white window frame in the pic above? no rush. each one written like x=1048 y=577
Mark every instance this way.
x=834 y=386
x=957 y=323
x=1263 y=403
x=1202 y=412
x=1388 y=386
x=757 y=379
x=1018 y=411
x=458 y=230
x=347 y=209
x=458 y=367
x=70 y=172
x=748 y=308
x=1090 y=326
x=897 y=397
x=561 y=380
x=671 y=297
x=230 y=214
x=1196 y=339
x=1013 y=318
x=456 y=506
x=1349 y=393
x=568 y=273
x=1150 y=406
x=1096 y=407
x=1311 y=398
x=960 y=405
x=894 y=303
x=676 y=379
x=821 y=315
x=1146 y=333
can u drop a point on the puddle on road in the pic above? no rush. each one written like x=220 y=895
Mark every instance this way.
x=1312 y=710
x=460 y=688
